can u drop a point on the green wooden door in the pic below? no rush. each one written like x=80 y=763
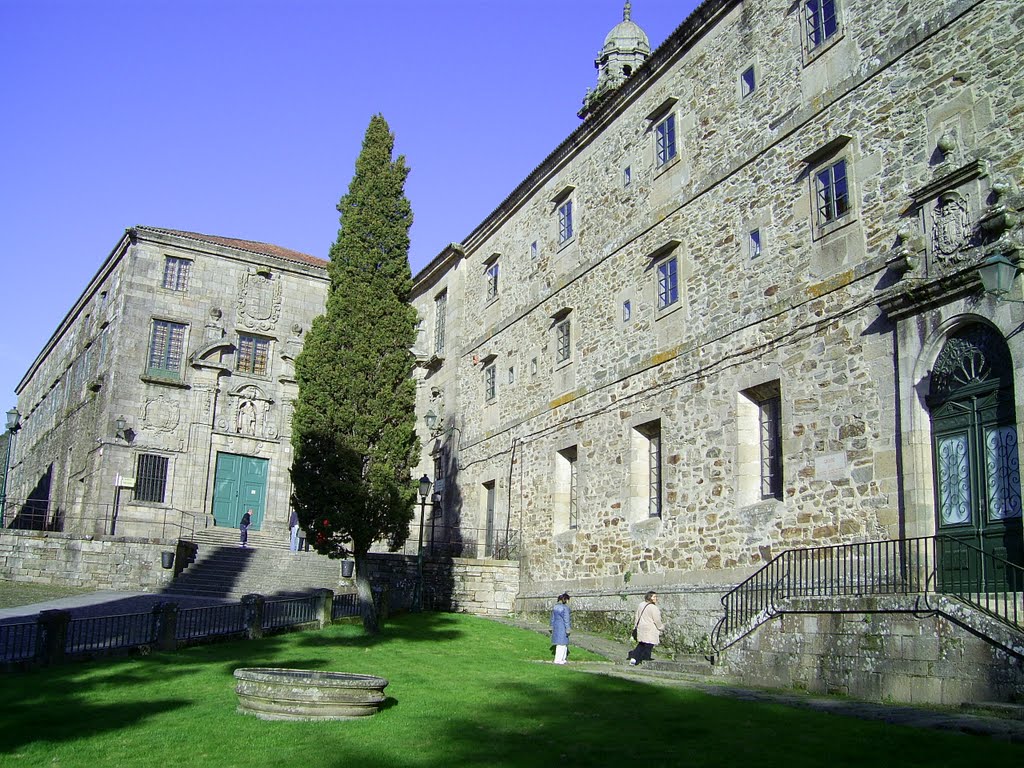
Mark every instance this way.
x=240 y=484
x=974 y=437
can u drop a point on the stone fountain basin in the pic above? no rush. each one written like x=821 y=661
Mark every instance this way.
x=307 y=694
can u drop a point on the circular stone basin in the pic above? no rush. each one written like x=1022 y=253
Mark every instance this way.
x=307 y=694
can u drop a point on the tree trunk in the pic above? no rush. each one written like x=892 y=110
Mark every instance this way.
x=367 y=608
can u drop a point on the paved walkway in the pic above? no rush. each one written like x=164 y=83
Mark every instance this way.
x=1005 y=726
x=104 y=603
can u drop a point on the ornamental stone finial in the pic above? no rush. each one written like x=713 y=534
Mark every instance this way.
x=627 y=11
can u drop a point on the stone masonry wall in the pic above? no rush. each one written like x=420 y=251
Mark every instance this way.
x=914 y=658
x=117 y=563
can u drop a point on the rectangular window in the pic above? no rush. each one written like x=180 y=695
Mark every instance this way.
x=770 y=417
x=440 y=315
x=490 y=382
x=822 y=21
x=627 y=176
x=574 y=513
x=534 y=250
x=166 y=344
x=492 y=281
x=668 y=283
x=565 y=230
x=747 y=82
x=440 y=463
x=627 y=311
x=511 y=375
x=833 y=194
x=489 y=489
x=665 y=139
x=176 y=273
x=151 y=478
x=754 y=243
x=649 y=465
x=253 y=353
x=533 y=366
x=563 y=341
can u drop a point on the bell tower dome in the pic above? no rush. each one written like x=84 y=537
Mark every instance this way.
x=625 y=48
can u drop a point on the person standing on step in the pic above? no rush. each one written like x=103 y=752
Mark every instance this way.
x=647 y=629
x=293 y=527
x=561 y=624
x=243 y=527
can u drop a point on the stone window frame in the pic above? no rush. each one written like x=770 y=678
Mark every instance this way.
x=566 y=218
x=755 y=244
x=492 y=274
x=627 y=176
x=177 y=274
x=248 y=360
x=815 y=16
x=646 y=468
x=440 y=321
x=165 y=357
x=665 y=114
x=490 y=381
x=759 y=465
x=150 y=481
x=534 y=251
x=657 y=264
x=748 y=87
x=566 y=489
x=820 y=166
x=561 y=324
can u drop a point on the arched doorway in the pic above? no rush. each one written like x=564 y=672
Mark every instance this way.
x=977 y=472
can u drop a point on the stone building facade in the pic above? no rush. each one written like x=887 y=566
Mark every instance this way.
x=737 y=311
x=162 y=403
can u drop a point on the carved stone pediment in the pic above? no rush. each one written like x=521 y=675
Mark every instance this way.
x=259 y=299
x=947 y=212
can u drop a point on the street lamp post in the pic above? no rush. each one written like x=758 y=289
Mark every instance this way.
x=424 y=492
x=13 y=425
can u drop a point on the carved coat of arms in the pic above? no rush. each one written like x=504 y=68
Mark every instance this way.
x=259 y=300
x=951 y=227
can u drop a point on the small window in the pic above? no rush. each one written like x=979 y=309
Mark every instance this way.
x=151 y=478
x=565 y=228
x=754 y=243
x=627 y=311
x=832 y=193
x=176 y=273
x=822 y=21
x=563 y=341
x=668 y=282
x=440 y=320
x=534 y=250
x=492 y=282
x=511 y=374
x=627 y=176
x=253 y=353
x=533 y=367
x=665 y=140
x=166 y=344
x=490 y=383
x=747 y=82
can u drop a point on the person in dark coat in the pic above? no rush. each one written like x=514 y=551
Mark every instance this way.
x=243 y=527
x=293 y=528
x=561 y=625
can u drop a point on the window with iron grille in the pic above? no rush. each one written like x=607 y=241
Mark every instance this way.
x=490 y=382
x=176 y=273
x=822 y=21
x=253 y=353
x=166 y=344
x=668 y=283
x=492 y=281
x=833 y=194
x=770 y=417
x=652 y=432
x=151 y=478
x=440 y=318
x=565 y=230
x=440 y=466
x=563 y=341
x=665 y=140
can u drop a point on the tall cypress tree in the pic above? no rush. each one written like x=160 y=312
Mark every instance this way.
x=353 y=432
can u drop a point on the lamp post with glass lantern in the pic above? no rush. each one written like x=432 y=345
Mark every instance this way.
x=997 y=274
x=13 y=425
x=424 y=492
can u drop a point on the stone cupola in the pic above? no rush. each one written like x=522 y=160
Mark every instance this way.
x=625 y=48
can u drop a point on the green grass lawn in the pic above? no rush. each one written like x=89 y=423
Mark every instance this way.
x=464 y=692
x=14 y=594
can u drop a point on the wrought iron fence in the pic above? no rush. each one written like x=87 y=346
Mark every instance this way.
x=290 y=612
x=210 y=621
x=98 y=519
x=18 y=641
x=473 y=543
x=344 y=605
x=106 y=633
x=918 y=565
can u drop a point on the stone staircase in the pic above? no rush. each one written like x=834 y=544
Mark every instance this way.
x=224 y=569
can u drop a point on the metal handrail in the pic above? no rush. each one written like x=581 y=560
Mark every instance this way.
x=96 y=519
x=889 y=567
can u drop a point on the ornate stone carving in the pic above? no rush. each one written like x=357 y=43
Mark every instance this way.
x=252 y=413
x=161 y=414
x=951 y=226
x=259 y=300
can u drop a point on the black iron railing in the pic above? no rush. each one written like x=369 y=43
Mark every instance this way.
x=210 y=621
x=18 y=641
x=921 y=565
x=459 y=541
x=98 y=519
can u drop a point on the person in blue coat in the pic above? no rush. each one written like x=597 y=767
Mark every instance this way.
x=561 y=625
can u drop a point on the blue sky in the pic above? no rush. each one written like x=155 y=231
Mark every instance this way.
x=244 y=118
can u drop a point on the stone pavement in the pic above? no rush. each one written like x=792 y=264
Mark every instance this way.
x=104 y=603
x=1002 y=722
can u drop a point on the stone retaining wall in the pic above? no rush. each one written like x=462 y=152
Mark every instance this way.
x=95 y=562
x=919 y=658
